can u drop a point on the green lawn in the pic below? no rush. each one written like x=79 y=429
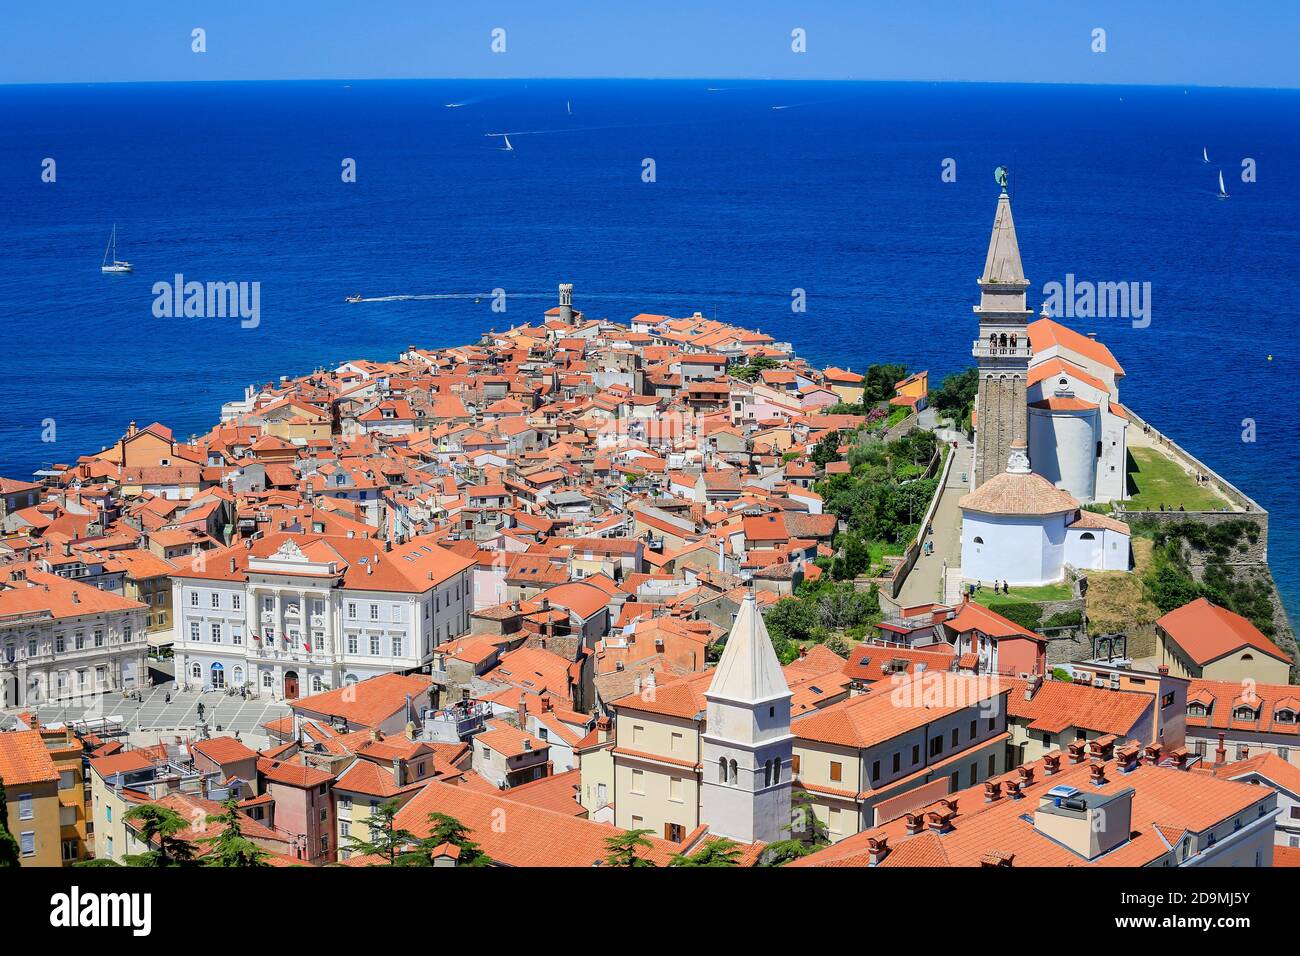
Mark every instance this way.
x=1025 y=595
x=1156 y=480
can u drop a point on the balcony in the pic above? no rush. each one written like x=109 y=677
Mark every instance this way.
x=982 y=349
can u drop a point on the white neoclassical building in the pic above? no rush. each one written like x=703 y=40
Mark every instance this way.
x=291 y=614
x=62 y=641
x=1019 y=528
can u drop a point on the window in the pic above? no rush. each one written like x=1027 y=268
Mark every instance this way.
x=236 y=634
x=58 y=644
x=194 y=631
x=897 y=762
x=196 y=671
x=25 y=811
x=972 y=730
x=268 y=603
x=216 y=633
x=916 y=754
x=837 y=770
x=397 y=613
x=352 y=644
x=216 y=599
x=936 y=745
x=194 y=599
x=28 y=842
x=674 y=832
x=993 y=765
x=722 y=770
x=637 y=731
x=675 y=789
x=397 y=647
x=956 y=738
x=374 y=612
x=352 y=610
x=235 y=601
x=267 y=681
x=374 y=645
x=638 y=781
x=794 y=764
x=127 y=633
x=675 y=743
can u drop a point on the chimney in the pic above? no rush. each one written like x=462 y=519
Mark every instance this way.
x=939 y=821
x=1051 y=764
x=521 y=711
x=410 y=730
x=375 y=735
x=915 y=823
x=528 y=743
x=1026 y=776
x=1220 y=753
x=1097 y=773
x=1013 y=790
x=1151 y=754
x=1032 y=685
x=1163 y=670
x=1179 y=757
x=877 y=850
x=1077 y=750
x=997 y=858
x=992 y=791
x=76 y=598
x=1126 y=757
x=232 y=565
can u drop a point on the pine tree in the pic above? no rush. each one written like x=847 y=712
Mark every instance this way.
x=621 y=850
x=8 y=845
x=720 y=852
x=387 y=840
x=449 y=830
x=162 y=824
x=230 y=847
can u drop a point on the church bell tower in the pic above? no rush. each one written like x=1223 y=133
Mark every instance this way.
x=1002 y=350
x=747 y=746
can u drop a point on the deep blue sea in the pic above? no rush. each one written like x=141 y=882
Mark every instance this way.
x=838 y=193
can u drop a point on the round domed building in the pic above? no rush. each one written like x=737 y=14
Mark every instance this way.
x=1019 y=528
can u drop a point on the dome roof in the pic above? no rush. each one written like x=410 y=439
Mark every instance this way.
x=1018 y=494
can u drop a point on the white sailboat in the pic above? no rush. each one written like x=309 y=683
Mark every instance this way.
x=1223 y=193
x=507 y=146
x=568 y=105
x=1205 y=156
x=111 y=263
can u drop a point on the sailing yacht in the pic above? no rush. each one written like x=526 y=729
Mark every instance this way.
x=111 y=263
x=507 y=146
x=1205 y=156
x=1223 y=193
x=568 y=105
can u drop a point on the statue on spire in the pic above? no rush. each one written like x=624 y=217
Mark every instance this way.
x=1000 y=174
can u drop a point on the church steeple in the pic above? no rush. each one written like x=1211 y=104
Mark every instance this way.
x=747 y=745
x=1002 y=350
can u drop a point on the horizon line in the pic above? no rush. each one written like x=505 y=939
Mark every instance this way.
x=663 y=79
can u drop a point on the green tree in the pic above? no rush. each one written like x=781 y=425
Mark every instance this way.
x=807 y=833
x=230 y=847
x=9 y=850
x=956 y=394
x=387 y=840
x=720 y=852
x=880 y=382
x=622 y=850
x=161 y=825
x=446 y=829
x=826 y=450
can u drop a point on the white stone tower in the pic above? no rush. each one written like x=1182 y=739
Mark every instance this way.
x=566 y=303
x=747 y=746
x=1002 y=350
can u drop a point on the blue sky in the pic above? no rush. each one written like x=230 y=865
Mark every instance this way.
x=1181 y=42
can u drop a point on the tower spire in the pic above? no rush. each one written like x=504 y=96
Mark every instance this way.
x=1002 y=350
x=747 y=747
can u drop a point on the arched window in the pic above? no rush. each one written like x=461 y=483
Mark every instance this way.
x=767 y=773
x=350 y=679
x=1087 y=536
x=267 y=680
x=735 y=777
x=776 y=770
x=239 y=676
x=978 y=539
x=316 y=685
x=196 y=670
x=1247 y=657
x=722 y=770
